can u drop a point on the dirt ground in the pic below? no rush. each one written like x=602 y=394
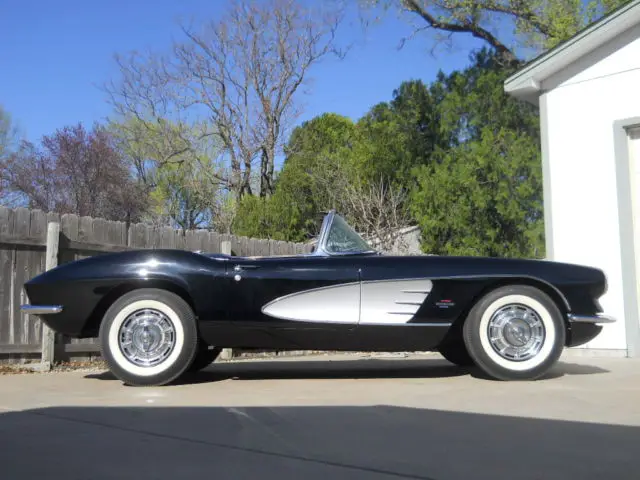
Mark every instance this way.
x=326 y=417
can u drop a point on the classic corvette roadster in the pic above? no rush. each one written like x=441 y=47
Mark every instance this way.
x=161 y=313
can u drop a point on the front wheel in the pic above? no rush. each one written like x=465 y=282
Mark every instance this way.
x=515 y=333
x=148 y=337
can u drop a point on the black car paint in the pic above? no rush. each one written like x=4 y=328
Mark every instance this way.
x=227 y=294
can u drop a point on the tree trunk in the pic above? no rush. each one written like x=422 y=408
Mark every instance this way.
x=267 y=169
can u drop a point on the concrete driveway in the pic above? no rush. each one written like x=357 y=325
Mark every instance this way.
x=327 y=417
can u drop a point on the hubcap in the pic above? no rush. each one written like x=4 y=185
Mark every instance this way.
x=147 y=337
x=516 y=332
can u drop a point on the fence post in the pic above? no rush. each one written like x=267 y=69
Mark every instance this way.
x=48 y=335
x=225 y=247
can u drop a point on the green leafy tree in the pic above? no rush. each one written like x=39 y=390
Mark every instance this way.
x=334 y=163
x=483 y=198
x=274 y=217
x=183 y=195
x=483 y=194
x=459 y=154
x=315 y=169
x=472 y=99
x=150 y=145
x=322 y=157
x=400 y=134
x=321 y=160
x=179 y=171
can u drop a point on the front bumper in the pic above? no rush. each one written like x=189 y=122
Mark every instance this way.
x=41 y=309
x=584 y=328
x=591 y=319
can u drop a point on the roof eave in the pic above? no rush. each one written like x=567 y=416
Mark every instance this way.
x=528 y=80
x=528 y=90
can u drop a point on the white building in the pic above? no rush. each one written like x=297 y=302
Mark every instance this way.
x=588 y=92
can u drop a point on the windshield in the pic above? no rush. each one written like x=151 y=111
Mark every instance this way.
x=344 y=239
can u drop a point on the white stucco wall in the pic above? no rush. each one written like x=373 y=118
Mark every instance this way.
x=580 y=107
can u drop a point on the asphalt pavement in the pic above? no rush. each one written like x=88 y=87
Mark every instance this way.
x=326 y=417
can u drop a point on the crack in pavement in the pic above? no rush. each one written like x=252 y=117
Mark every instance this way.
x=257 y=451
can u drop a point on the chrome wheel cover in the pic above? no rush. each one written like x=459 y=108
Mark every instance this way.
x=147 y=337
x=516 y=332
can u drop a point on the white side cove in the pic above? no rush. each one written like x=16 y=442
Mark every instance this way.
x=386 y=302
x=334 y=304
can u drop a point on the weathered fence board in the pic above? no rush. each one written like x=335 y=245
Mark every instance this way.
x=23 y=235
x=20 y=348
x=21 y=272
x=37 y=231
x=6 y=282
x=51 y=255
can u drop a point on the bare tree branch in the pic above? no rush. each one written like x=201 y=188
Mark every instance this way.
x=378 y=211
x=467 y=25
x=238 y=77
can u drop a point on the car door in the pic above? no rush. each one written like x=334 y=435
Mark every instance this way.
x=300 y=290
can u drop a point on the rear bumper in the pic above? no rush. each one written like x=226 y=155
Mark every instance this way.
x=591 y=319
x=41 y=309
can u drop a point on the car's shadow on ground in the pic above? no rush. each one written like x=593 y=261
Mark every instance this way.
x=313 y=442
x=566 y=368
x=305 y=369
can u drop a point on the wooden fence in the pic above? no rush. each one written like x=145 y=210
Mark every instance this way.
x=23 y=241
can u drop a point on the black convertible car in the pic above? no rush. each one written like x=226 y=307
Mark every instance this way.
x=160 y=313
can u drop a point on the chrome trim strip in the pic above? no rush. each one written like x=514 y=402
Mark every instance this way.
x=429 y=324
x=599 y=318
x=426 y=324
x=40 y=309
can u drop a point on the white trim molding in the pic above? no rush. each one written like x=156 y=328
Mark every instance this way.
x=630 y=267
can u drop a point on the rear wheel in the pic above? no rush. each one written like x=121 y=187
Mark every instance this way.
x=515 y=333
x=148 y=337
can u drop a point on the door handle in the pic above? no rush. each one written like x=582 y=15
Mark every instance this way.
x=239 y=268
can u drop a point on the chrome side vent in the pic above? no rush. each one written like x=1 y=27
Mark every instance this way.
x=392 y=302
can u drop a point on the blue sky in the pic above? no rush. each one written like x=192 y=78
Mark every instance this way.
x=54 y=56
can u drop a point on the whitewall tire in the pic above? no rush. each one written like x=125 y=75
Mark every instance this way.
x=148 y=337
x=515 y=332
